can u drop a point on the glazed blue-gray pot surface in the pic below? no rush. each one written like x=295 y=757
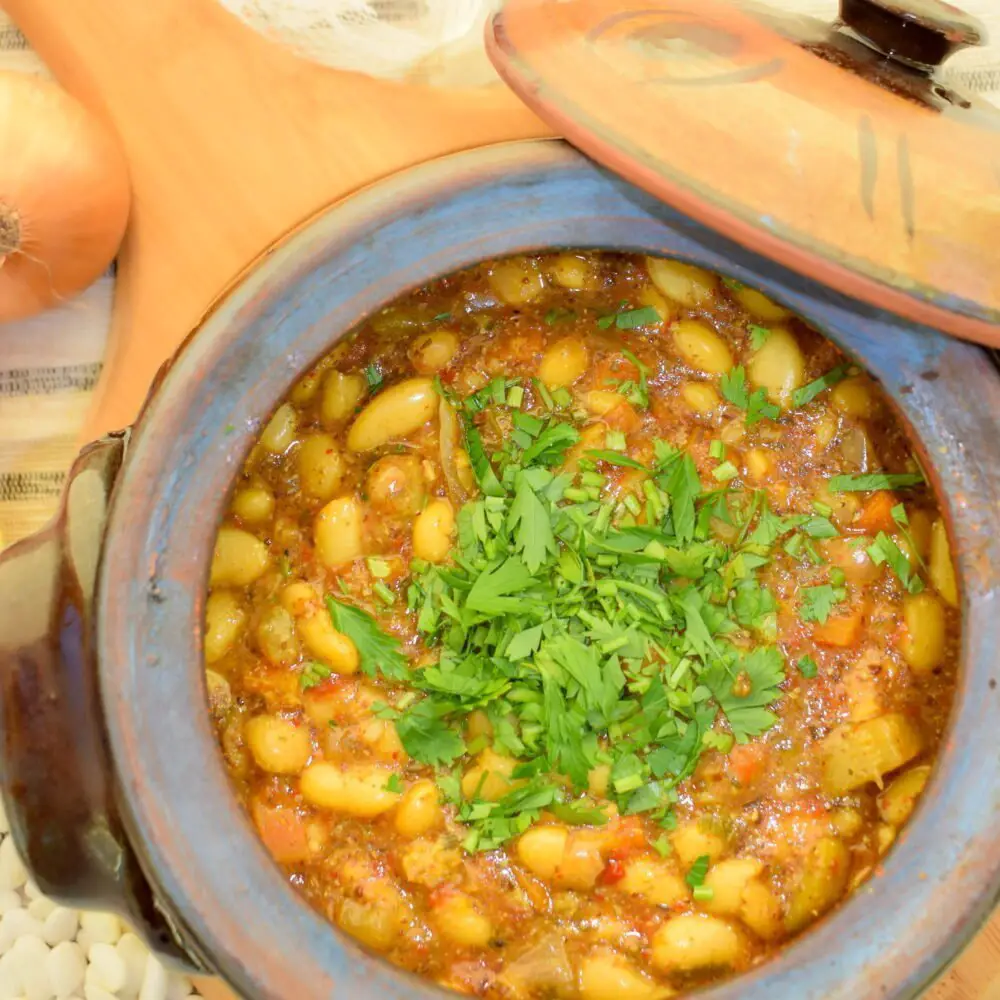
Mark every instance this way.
x=216 y=884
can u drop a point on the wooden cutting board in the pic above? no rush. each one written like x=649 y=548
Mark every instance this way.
x=233 y=142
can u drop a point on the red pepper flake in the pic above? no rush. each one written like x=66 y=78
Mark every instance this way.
x=614 y=871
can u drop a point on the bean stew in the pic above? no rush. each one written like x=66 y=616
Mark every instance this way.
x=581 y=626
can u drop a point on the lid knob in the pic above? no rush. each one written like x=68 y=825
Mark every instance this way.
x=921 y=33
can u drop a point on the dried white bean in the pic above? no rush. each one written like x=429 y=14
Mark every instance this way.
x=154 y=982
x=10 y=978
x=91 y=991
x=106 y=968
x=60 y=925
x=41 y=908
x=66 y=966
x=105 y=928
x=134 y=953
x=30 y=954
x=32 y=891
x=12 y=871
x=10 y=900
x=15 y=924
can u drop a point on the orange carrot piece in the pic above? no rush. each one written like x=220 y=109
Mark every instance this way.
x=876 y=515
x=283 y=831
x=746 y=761
x=843 y=631
x=622 y=417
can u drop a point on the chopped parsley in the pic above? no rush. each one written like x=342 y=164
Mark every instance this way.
x=818 y=602
x=697 y=872
x=394 y=784
x=808 y=667
x=758 y=336
x=559 y=315
x=585 y=637
x=378 y=653
x=875 y=481
x=312 y=674
x=636 y=391
x=662 y=846
x=885 y=550
x=733 y=385
x=615 y=458
x=631 y=319
x=374 y=378
x=809 y=392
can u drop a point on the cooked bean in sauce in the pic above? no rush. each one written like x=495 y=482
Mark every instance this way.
x=581 y=626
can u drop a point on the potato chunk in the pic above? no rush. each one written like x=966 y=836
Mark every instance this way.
x=855 y=755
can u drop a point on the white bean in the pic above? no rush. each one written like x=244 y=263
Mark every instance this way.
x=91 y=991
x=154 y=981
x=40 y=908
x=684 y=283
x=341 y=396
x=778 y=366
x=60 y=925
x=10 y=977
x=280 y=430
x=103 y=928
x=432 y=531
x=359 y=790
x=239 y=558
x=31 y=954
x=66 y=965
x=17 y=924
x=393 y=413
x=338 y=532
x=701 y=347
x=13 y=874
x=107 y=968
x=134 y=954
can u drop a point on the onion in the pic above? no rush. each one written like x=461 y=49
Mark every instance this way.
x=64 y=196
x=449 y=442
x=543 y=967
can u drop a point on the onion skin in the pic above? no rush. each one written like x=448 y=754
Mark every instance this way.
x=64 y=196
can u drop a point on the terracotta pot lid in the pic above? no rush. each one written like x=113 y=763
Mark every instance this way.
x=833 y=149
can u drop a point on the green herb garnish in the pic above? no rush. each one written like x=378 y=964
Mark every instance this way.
x=697 y=872
x=630 y=319
x=875 y=481
x=809 y=392
x=808 y=667
x=885 y=550
x=818 y=602
x=313 y=673
x=733 y=385
x=378 y=653
x=758 y=336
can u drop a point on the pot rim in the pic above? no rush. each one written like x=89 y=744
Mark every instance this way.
x=211 y=874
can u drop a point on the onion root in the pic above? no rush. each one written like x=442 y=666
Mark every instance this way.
x=10 y=231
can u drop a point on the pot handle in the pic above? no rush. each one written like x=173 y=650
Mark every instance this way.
x=57 y=774
x=919 y=33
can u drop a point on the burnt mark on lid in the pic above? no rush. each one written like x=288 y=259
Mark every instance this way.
x=868 y=157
